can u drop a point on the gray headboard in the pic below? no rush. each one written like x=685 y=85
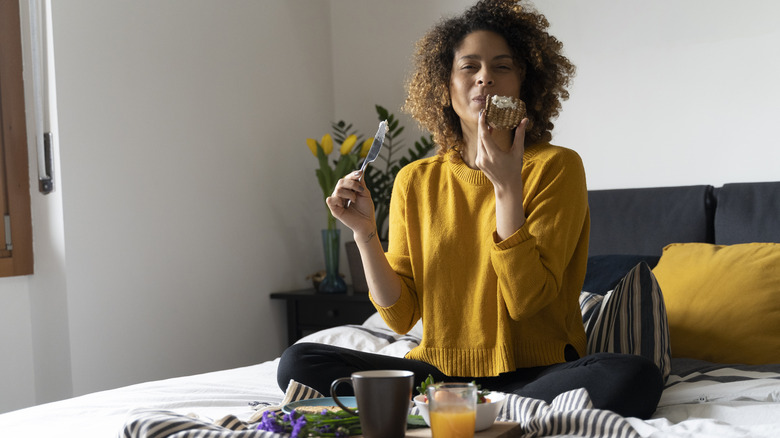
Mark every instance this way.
x=644 y=220
x=747 y=212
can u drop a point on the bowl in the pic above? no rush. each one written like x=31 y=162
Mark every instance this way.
x=486 y=412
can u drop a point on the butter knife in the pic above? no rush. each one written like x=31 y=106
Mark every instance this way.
x=376 y=146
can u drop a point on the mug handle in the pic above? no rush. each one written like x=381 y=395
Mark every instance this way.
x=336 y=399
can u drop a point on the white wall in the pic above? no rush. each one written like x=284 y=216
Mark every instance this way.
x=185 y=194
x=17 y=383
x=372 y=56
x=671 y=92
x=186 y=181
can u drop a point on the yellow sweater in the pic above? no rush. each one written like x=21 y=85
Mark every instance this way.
x=489 y=308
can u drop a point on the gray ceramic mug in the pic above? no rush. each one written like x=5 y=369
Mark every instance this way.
x=383 y=398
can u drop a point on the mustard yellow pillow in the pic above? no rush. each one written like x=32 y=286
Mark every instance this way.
x=722 y=301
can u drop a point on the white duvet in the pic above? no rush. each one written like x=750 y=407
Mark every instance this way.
x=713 y=402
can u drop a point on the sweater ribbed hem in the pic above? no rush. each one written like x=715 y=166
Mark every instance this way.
x=397 y=315
x=521 y=235
x=465 y=362
x=492 y=362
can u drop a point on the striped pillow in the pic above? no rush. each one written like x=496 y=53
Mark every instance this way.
x=630 y=319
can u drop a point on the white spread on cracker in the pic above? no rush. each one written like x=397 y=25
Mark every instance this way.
x=316 y=409
x=503 y=102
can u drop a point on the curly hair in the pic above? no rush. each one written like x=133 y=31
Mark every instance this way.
x=547 y=71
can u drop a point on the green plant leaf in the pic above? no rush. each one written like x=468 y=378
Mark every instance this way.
x=321 y=180
x=393 y=125
x=425 y=384
x=382 y=112
x=342 y=130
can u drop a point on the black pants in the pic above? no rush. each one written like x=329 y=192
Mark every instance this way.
x=627 y=384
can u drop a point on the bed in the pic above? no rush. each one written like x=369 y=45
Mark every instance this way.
x=705 y=396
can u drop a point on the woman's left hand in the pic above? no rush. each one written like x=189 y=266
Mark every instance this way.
x=502 y=167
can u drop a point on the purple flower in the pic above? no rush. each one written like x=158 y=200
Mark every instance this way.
x=270 y=423
x=297 y=424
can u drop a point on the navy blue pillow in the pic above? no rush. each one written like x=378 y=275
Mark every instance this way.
x=605 y=271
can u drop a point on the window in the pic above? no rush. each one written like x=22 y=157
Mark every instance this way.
x=16 y=257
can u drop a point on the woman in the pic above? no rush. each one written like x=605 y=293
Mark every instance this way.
x=488 y=239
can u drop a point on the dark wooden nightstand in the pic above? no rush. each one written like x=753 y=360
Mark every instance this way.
x=308 y=311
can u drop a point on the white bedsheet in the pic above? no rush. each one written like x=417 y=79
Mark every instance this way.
x=695 y=405
x=719 y=402
x=102 y=414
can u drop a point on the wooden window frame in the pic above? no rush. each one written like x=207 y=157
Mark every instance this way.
x=16 y=259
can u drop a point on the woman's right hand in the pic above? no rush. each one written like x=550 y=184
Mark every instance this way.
x=359 y=216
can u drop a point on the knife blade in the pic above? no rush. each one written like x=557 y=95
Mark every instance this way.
x=376 y=146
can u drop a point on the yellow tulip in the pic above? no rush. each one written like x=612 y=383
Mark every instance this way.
x=366 y=146
x=312 y=144
x=327 y=144
x=348 y=144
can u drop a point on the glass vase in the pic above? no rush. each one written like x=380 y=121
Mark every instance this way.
x=332 y=283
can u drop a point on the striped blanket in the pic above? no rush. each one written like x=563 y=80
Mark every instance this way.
x=569 y=414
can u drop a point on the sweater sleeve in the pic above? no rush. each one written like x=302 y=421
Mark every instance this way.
x=546 y=254
x=402 y=315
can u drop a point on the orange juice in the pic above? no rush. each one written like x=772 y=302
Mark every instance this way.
x=453 y=422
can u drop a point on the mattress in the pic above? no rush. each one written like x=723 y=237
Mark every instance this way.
x=701 y=399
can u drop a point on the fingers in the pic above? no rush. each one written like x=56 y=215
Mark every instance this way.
x=347 y=190
x=483 y=134
x=336 y=205
x=358 y=215
x=483 y=128
x=486 y=145
x=518 y=145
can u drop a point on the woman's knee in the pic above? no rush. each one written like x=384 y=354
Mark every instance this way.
x=641 y=371
x=645 y=381
x=633 y=386
x=290 y=362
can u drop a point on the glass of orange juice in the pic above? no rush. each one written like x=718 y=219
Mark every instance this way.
x=452 y=408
